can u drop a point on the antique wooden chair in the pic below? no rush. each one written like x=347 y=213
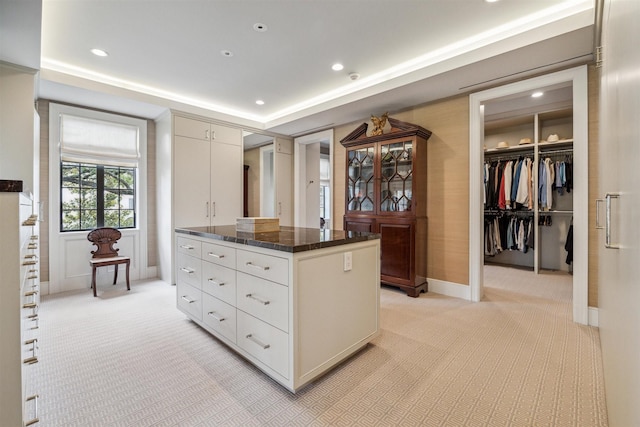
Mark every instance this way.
x=106 y=254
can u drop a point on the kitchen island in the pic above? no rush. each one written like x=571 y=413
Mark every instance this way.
x=293 y=302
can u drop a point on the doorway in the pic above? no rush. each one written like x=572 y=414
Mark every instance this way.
x=313 y=183
x=577 y=79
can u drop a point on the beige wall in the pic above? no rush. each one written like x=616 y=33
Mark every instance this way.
x=252 y=159
x=595 y=245
x=447 y=187
x=152 y=232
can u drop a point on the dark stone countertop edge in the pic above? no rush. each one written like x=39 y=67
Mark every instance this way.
x=361 y=237
x=10 y=186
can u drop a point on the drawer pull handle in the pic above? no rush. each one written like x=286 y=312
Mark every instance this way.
x=35 y=419
x=34 y=237
x=189 y=301
x=260 y=300
x=257 y=341
x=32 y=277
x=189 y=247
x=30 y=305
x=218 y=318
x=215 y=255
x=30 y=256
x=34 y=346
x=29 y=262
x=187 y=270
x=34 y=319
x=259 y=267
x=215 y=282
x=30 y=293
x=32 y=246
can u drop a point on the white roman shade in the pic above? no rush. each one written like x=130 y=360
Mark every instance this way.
x=88 y=140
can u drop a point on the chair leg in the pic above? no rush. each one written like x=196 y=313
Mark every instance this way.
x=93 y=281
x=128 y=287
x=115 y=275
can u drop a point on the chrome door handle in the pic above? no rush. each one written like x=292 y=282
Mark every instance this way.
x=215 y=282
x=607 y=222
x=250 y=264
x=186 y=270
x=215 y=255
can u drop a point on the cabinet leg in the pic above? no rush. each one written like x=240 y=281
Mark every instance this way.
x=415 y=292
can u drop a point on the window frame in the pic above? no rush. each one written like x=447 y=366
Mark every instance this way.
x=100 y=187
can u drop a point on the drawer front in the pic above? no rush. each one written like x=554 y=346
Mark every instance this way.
x=219 y=316
x=263 y=299
x=190 y=300
x=265 y=266
x=264 y=342
x=189 y=246
x=219 y=282
x=189 y=270
x=218 y=254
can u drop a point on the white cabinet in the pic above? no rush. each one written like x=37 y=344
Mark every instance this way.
x=199 y=180
x=281 y=310
x=19 y=301
x=207 y=173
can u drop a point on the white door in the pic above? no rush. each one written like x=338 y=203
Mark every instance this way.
x=191 y=182
x=226 y=183
x=619 y=269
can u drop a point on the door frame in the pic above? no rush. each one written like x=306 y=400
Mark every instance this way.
x=300 y=175
x=579 y=80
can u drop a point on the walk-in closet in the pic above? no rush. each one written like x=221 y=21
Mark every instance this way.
x=528 y=182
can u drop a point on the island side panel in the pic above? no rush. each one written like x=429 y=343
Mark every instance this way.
x=336 y=311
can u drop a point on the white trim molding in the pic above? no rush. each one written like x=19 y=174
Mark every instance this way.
x=449 y=289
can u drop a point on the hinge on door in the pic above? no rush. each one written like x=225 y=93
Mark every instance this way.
x=598 y=56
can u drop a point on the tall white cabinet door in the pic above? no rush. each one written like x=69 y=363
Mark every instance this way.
x=191 y=182
x=283 y=172
x=226 y=183
x=619 y=269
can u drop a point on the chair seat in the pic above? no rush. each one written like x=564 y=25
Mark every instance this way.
x=109 y=260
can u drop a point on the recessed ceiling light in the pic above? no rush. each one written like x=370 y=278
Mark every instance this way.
x=337 y=67
x=99 y=52
x=260 y=102
x=226 y=53
x=537 y=94
x=490 y=1
x=261 y=28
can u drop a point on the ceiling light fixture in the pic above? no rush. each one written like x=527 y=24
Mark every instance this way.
x=337 y=67
x=490 y=1
x=261 y=28
x=226 y=53
x=99 y=52
x=260 y=102
x=537 y=94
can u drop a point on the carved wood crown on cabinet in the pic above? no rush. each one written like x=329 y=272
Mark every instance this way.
x=386 y=193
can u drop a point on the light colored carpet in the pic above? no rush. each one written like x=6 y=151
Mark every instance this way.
x=515 y=359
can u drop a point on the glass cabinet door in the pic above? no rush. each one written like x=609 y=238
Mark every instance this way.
x=396 y=177
x=360 y=179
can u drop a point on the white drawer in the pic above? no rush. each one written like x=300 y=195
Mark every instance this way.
x=218 y=254
x=219 y=282
x=189 y=270
x=263 y=299
x=189 y=300
x=189 y=246
x=266 y=266
x=264 y=342
x=219 y=316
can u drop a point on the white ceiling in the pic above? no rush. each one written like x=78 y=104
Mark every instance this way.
x=166 y=54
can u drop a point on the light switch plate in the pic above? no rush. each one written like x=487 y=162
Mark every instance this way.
x=348 y=261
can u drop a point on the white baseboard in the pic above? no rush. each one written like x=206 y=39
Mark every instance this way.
x=593 y=317
x=450 y=289
x=151 y=273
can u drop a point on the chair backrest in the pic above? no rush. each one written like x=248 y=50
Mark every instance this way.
x=104 y=239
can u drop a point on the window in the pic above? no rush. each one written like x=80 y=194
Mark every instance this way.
x=98 y=170
x=97 y=196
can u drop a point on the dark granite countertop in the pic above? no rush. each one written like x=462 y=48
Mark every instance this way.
x=288 y=239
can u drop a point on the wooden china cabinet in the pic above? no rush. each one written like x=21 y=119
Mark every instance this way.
x=386 y=193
